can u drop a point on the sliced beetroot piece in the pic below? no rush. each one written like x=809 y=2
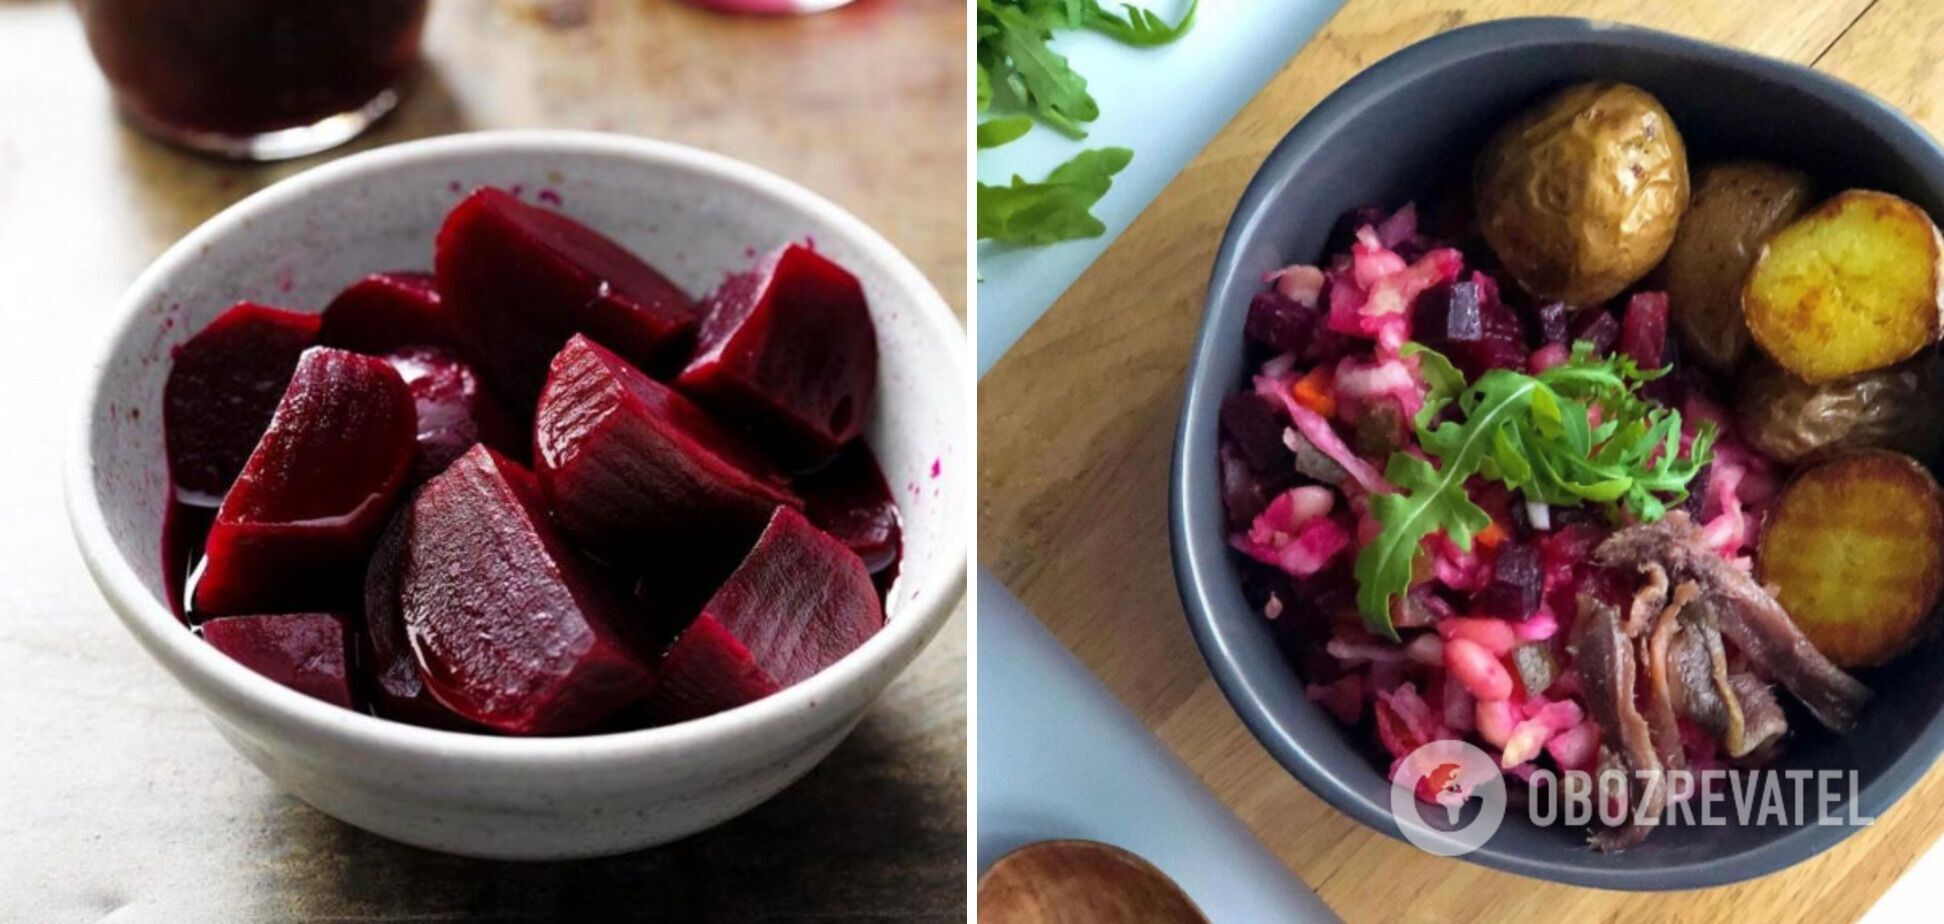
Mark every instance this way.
x=390 y=669
x=635 y=471
x=455 y=409
x=519 y=280
x=511 y=628
x=789 y=348
x=307 y=652
x=387 y=311
x=1597 y=327
x=295 y=531
x=222 y=389
x=849 y=500
x=799 y=602
x=1643 y=329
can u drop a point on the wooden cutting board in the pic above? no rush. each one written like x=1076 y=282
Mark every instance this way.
x=1077 y=421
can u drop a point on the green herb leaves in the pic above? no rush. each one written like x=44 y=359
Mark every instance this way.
x=1019 y=73
x=1057 y=209
x=1138 y=27
x=1573 y=434
x=1021 y=68
x=1428 y=499
x=1003 y=130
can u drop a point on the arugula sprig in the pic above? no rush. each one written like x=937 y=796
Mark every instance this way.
x=1537 y=436
x=1018 y=66
x=1055 y=209
x=1023 y=77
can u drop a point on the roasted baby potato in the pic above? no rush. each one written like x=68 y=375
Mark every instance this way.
x=1855 y=550
x=1849 y=287
x=1579 y=197
x=1793 y=421
x=1733 y=210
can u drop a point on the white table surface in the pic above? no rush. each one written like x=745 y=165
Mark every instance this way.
x=1059 y=758
x=1165 y=103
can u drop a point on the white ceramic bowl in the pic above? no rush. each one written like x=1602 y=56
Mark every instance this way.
x=693 y=214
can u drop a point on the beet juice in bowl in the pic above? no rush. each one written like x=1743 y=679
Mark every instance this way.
x=254 y=79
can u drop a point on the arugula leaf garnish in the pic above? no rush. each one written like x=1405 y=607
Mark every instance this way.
x=1139 y=26
x=1021 y=75
x=1003 y=130
x=1055 y=209
x=1535 y=435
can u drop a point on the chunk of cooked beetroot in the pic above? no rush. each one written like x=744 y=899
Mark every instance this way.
x=295 y=531
x=1464 y=315
x=511 y=628
x=387 y=311
x=799 y=602
x=519 y=280
x=1597 y=327
x=1554 y=322
x=1469 y=324
x=1281 y=322
x=307 y=652
x=389 y=667
x=1243 y=496
x=848 y=499
x=789 y=348
x=1254 y=423
x=636 y=471
x=222 y=389
x=1643 y=329
x=455 y=409
x=1517 y=582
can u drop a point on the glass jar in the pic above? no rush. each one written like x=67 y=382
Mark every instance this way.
x=255 y=79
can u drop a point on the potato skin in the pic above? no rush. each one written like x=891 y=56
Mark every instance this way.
x=1580 y=196
x=1793 y=421
x=1855 y=284
x=1854 y=547
x=1734 y=208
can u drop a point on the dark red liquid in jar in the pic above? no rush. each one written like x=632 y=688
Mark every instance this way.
x=246 y=67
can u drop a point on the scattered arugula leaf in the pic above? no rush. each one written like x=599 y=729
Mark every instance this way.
x=1055 y=209
x=1014 y=53
x=1003 y=130
x=1020 y=73
x=1535 y=435
x=1139 y=26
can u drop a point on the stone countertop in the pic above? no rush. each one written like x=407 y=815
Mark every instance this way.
x=117 y=799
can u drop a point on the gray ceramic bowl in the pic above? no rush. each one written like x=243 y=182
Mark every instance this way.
x=1385 y=137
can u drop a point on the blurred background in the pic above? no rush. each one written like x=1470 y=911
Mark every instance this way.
x=116 y=798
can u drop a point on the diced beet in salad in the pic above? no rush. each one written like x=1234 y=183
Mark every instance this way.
x=1477 y=515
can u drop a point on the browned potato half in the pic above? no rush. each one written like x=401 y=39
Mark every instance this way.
x=1579 y=196
x=1734 y=209
x=1855 y=550
x=1900 y=408
x=1850 y=287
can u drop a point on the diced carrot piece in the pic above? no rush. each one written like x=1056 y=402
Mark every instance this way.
x=1316 y=391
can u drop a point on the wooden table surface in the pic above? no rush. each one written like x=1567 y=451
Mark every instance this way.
x=118 y=801
x=1076 y=424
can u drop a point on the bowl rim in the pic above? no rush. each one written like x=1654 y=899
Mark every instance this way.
x=321 y=725
x=1198 y=553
